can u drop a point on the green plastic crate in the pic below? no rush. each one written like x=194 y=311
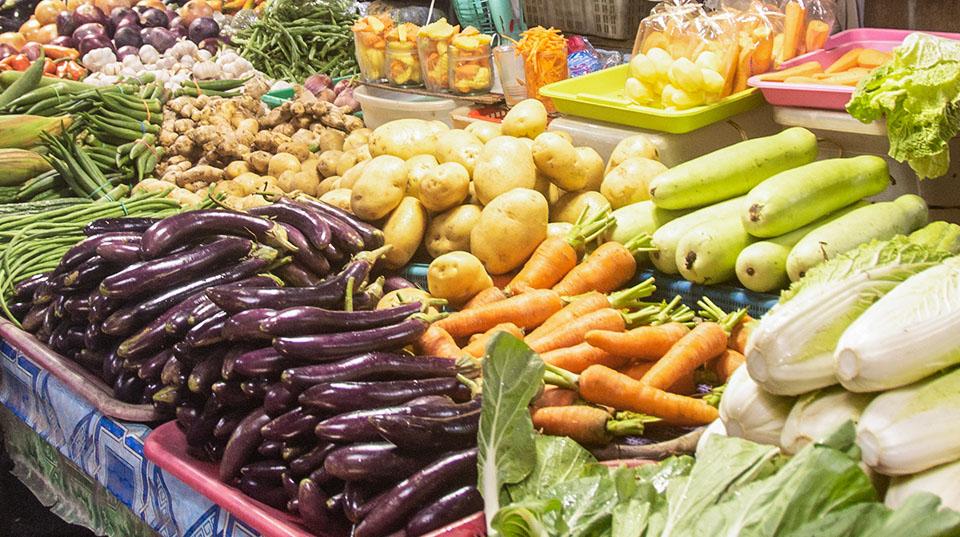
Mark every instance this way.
x=600 y=96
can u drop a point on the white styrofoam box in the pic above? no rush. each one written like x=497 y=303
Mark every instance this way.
x=673 y=148
x=842 y=134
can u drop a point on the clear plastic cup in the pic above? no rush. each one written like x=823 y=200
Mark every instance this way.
x=403 y=65
x=510 y=69
x=471 y=71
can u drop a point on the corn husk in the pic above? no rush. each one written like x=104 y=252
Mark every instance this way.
x=18 y=165
x=21 y=131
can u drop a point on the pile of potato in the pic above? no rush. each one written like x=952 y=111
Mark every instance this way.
x=493 y=190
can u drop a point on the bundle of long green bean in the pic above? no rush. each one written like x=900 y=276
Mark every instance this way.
x=293 y=39
x=32 y=243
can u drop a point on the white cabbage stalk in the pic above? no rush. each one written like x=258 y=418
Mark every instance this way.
x=911 y=429
x=944 y=481
x=909 y=334
x=791 y=350
x=816 y=415
x=715 y=428
x=748 y=412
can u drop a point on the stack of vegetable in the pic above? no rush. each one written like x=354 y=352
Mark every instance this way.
x=230 y=143
x=762 y=210
x=119 y=300
x=292 y=40
x=880 y=321
x=546 y=485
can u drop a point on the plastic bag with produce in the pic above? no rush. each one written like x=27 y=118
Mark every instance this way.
x=801 y=25
x=686 y=58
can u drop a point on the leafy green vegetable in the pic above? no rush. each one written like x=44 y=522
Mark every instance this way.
x=559 y=459
x=918 y=92
x=512 y=376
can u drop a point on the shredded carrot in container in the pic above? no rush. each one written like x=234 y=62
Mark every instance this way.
x=544 y=53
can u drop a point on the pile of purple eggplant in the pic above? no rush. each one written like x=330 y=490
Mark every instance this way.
x=130 y=302
x=380 y=442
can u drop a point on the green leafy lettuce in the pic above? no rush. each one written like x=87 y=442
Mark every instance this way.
x=918 y=92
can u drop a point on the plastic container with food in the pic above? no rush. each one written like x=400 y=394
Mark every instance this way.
x=403 y=64
x=433 y=43
x=370 y=43
x=471 y=63
x=544 y=55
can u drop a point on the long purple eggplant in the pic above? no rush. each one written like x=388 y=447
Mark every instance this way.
x=150 y=369
x=128 y=387
x=269 y=471
x=118 y=225
x=280 y=398
x=67 y=338
x=273 y=496
x=84 y=276
x=245 y=326
x=228 y=393
x=306 y=220
x=377 y=462
x=293 y=425
x=392 y=283
x=154 y=335
x=242 y=444
x=410 y=494
x=355 y=496
x=311 y=319
x=321 y=347
x=128 y=318
x=77 y=307
x=311 y=460
x=201 y=429
x=307 y=255
x=420 y=432
x=290 y=486
x=112 y=367
x=311 y=504
x=270 y=449
x=226 y=424
x=177 y=229
x=346 y=396
x=255 y=388
x=34 y=318
x=162 y=273
x=295 y=275
x=207 y=332
x=266 y=362
x=120 y=253
x=87 y=248
x=173 y=373
x=449 y=508
x=355 y=426
x=373 y=366
x=203 y=375
x=186 y=416
x=102 y=307
x=370 y=237
x=24 y=289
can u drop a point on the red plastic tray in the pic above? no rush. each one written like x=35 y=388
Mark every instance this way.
x=824 y=96
x=76 y=377
x=167 y=448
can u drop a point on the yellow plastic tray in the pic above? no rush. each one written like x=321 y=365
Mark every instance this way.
x=600 y=96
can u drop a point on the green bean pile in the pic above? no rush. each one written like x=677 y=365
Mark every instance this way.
x=292 y=41
x=33 y=242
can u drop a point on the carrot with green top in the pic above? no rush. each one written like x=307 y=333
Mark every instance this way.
x=579 y=357
x=606 y=269
x=556 y=256
x=588 y=425
x=641 y=343
x=553 y=396
x=525 y=310
x=636 y=371
x=602 y=385
x=573 y=332
x=706 y=341
x=589 y=302
x=728 y=362
x=740 y=329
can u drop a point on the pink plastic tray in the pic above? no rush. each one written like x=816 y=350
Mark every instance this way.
x=167 y=448
x=823 y=96
x=76 y=377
